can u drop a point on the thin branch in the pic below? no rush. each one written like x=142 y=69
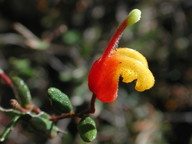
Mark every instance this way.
x=92 y=105
x=62 y=116
x=9 y=128
x=56 y=33
x=91 y=110
x=5 y=78
x=17 y=106
x=24 y=31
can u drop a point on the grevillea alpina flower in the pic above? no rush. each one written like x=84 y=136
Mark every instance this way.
x=119 y=62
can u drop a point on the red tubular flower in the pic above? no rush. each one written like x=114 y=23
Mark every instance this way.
x=122 y=62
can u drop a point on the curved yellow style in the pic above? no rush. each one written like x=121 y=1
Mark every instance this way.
x=130 y=53
x=133 y=66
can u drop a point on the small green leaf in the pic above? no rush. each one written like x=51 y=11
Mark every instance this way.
x=60 y=100
x=87 y=129
x=43 y=124
x=23 y=93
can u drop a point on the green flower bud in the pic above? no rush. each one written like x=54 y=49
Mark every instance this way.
x=87 y=129
x=60 y=100
x=134 y=16
x=23 y=93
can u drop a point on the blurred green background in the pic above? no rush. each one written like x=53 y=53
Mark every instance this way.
x=54 y=42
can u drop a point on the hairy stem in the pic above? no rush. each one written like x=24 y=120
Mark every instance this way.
x=133 y=17
x=115 y=38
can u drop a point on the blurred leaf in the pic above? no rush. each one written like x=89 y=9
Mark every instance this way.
x=24 y=95
x=23 y=66
x=72 y=37
x=86 y=50
x=67 y=138
x=65 y=76
x=42 y=45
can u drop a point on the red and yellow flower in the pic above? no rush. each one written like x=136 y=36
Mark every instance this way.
x=119 y=62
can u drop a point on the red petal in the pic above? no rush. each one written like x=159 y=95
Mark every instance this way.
x=103 y=80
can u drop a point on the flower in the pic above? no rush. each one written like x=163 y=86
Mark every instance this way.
x=119 y=62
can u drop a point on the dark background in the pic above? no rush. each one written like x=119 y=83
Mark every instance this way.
x=70 y=35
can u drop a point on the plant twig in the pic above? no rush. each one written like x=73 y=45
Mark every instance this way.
x=32 y=40
x=91 y=110
x=24 y=31
x=54 y=34
x=92 y=105
x=67 y=115
x=5 y=78
x=9 y=128
x=17 y=106
x=35 y=109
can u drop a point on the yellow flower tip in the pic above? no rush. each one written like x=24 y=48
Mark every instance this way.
x=134 y=16
x=133 y=66
x=131 y=53
x=145 y=81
